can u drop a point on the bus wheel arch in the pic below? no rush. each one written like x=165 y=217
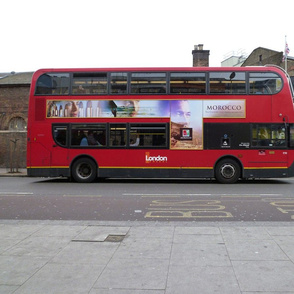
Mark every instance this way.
x=228 y=170
x=84 y=169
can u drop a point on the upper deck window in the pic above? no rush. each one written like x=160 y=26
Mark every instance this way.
x=148 y=83
x=118 y=83
x=265 y=83
x=187 y=83
x=227 y=83
x=89 y=83
x=53 y=84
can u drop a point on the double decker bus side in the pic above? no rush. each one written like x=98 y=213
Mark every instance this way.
x=223 y=123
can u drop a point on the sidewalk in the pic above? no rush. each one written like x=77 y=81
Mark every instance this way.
x=6 y=172
x=146 y=257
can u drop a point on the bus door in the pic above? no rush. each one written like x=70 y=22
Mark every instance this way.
x=38 y=153
x=270 y=142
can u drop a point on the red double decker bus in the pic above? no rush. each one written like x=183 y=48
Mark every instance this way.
x=223 y=123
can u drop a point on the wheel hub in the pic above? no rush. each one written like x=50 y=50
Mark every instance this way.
x=228 y=171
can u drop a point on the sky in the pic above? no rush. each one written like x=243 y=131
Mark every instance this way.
x=137 y=33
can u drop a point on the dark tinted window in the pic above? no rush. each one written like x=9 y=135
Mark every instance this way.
x=60 y=135
x=148 y=83
x=265 y=83
x=118 y=83
x=227 y=83
x=148 y=135
x=88 y=135
x=89 y=83
x=118 y=135
x=53 y=84
x=268 y=135
x=187 y=83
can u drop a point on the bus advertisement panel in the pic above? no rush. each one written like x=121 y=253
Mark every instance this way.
x=186 y=116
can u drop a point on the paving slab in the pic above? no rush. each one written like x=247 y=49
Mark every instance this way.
x=16 y=270
x=204 y=280
x=139 y=274
x=265 y=276
x=62 y=278
x=255 y=250
x=96 y=253
x=201 y=254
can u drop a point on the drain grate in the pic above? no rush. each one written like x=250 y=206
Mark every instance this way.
x=109 y=238
x=114 y=238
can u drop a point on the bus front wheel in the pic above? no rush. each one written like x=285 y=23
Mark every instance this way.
x=84 y=170
x=227 y=171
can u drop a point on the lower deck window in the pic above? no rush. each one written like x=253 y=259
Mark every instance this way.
x=144 y=135
x=88 y=135
x=118 y=135
x=268 y=135
x=112 y=135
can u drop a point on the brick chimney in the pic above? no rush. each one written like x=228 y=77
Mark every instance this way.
x=200 y=56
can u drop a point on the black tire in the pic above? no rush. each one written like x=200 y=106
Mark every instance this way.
x=84 y=170
x=227 y=171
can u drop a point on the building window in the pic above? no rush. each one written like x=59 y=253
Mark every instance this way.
x=17 y=124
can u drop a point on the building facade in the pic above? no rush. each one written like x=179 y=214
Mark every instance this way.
x=14 y=98
x=260 y=57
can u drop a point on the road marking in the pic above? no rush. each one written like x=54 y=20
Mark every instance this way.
x=187 y=214
x=163 y=195
x=200 y=194
x=187 y=209
x=16 y=193
x=65 y=195
x=284 y=206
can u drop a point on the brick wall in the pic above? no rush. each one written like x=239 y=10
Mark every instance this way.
x=200 y=56
x=13 y=104
x=13 y=146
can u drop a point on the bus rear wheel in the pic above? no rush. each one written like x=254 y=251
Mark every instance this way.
x=84 y=170
x=227 y=171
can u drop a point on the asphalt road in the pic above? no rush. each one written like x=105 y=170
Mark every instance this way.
x=146 y=200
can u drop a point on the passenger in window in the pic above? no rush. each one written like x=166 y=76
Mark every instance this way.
x=264 y=136
x=281 y=134
x=280 y=137
x=84 y=140
x=134 y=143
x=80 y=90
x=92 y=139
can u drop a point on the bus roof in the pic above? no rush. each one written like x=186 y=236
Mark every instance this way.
x=160 y=69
